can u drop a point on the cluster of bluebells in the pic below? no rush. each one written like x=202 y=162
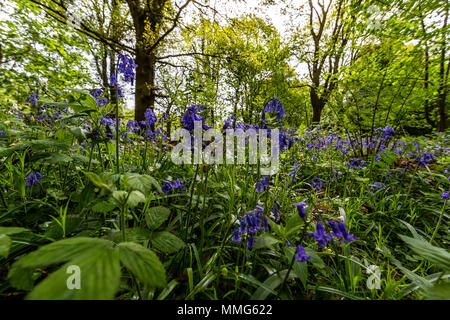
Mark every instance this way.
x=338 y=232
x=357 y=164
x=169 y=186
x=33 y=98
x=98 y=96
x=253 y=221
x=33 y=179
x=126 y=67
x=262 y=184
x=377 y=186
x=425 y=159
x=316 y=183
x=386 y=133
x=192 y=115
x=273 y=106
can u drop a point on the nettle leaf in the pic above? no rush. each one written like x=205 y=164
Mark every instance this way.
x=99 y=182
x=143 y=183
x=35 y=145
x=63 y=136
x=135 y=197
x=143 y=263
x=5 y=245
x=156 y=216
x=57 y=158
x=133 y=234
x=103 y=206
x=120 y=196
x=435 y=255
x=167 y=242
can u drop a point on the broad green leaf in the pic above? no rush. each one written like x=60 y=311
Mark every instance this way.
x=294 y=224
x=103 y=206
x=143 y=263
x=156 y=216
x=135 y=198
x=5 y=245
x=265 y=241
x=99 y=182
x=435 y=255
x=99 y=278
x=143 y=183
x=167 y=242
x=299 y=268
x=272 y=283
x=12 y=230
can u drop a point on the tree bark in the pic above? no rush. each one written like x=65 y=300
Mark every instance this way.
x=444 y=80
x=145 y=83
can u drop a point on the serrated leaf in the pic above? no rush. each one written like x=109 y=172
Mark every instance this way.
x=167 y=242
x=156 y=216
x=143 y=263
x=135 y=198
x=143 y=183
x=99 y=278
x=103 y=206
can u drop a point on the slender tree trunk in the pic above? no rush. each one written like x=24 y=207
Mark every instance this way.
x=444 y=79
x=145 y=83
x=317 y=105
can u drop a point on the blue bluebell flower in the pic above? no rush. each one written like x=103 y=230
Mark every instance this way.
x=262 y=184
x=33 y=179
x=250 y=242
x=321 y=236
x=236 y=237
x=301 y=255
x=300 y=209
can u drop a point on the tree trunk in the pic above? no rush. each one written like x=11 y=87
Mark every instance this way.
x=145 y=83
x=444 y=80
x=317 y=106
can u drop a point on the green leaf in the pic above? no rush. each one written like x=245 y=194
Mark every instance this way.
x=5 y=245
x=12 y=230
x=265 y=241
x=21 y=273
x=143 y=183
x=294 y=224
x=143 y=263
x=435 y=255
x=99 y=182
x=167 y=242
x=271 y=284
x=156 y=216
x=135 y=198
x=99 y=278
x=299 y=268
x=103 y=206
x=133 y=234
